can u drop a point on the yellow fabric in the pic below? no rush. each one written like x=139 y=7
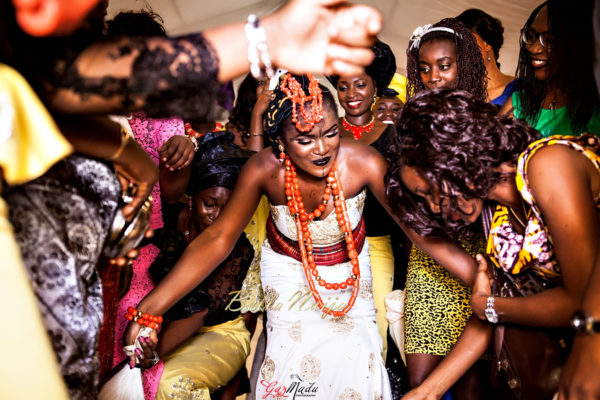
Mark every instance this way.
x=30 y=141
x=250 y=298
x=382 y=269
x=206 y=362
x=398 y=83
x=28 y=369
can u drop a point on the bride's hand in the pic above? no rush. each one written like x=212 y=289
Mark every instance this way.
x=147 y=356
x=324 y=36
x=133 y=329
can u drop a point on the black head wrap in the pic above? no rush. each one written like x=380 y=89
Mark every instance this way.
x=217 y=162
x=388 y=92
x=382 y=68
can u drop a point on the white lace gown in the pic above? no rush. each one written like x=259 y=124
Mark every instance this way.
x=310 y=355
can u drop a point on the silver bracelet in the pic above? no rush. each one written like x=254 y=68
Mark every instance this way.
x=257 y=43
x=154 y=359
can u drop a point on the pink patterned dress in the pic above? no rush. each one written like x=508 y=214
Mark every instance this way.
x=150 y=134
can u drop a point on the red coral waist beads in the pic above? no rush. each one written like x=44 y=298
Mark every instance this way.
x=296 y=207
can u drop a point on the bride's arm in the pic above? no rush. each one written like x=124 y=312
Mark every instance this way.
x=443 y=250
x=214 y=244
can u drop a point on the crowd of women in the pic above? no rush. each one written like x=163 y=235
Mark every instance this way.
x=145 y=242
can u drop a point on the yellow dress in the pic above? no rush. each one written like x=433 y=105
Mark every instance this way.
x=30 y=144
x=205 y=362
x=437 y=303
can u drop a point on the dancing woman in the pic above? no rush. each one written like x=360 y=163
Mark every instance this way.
x=309 y=169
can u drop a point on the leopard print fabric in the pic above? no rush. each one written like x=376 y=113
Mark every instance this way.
x=437 y=303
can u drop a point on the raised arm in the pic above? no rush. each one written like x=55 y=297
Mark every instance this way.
x=443 y=250
x=180 y=76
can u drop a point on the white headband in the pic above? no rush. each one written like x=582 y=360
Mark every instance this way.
x=420 y=31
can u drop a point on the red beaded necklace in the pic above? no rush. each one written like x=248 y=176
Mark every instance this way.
x=296 y=206
x=195 y=134
x=357 y=131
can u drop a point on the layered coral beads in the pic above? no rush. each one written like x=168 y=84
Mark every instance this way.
x=296 y=207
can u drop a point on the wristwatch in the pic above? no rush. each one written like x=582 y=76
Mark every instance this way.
x=583 y=323
x=490 y=312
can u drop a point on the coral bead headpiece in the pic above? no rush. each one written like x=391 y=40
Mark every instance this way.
x=293 y=89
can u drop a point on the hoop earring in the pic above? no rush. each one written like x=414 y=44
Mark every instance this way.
x=281 y=153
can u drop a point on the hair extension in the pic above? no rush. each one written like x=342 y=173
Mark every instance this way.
x=471 y=75
x=456 y=142
x=571 y=58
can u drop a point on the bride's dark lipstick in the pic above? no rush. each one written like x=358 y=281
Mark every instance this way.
x=322 y=161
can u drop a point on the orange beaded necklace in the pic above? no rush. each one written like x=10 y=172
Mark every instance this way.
x=296 y=207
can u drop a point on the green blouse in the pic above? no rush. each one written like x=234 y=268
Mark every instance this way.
x=556 y=122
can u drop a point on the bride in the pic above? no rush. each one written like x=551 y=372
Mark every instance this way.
x=321 y=333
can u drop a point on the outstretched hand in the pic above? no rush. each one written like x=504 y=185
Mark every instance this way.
x=482 y=289
x=323 y=36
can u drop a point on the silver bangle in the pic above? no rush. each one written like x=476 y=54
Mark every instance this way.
x=257 y=43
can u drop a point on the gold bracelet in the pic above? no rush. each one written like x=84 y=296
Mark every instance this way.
x=257 y=134
x=124 y=141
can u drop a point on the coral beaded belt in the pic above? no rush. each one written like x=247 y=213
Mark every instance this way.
x=324 y=255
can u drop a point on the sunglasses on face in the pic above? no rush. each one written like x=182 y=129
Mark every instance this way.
x=529 y=37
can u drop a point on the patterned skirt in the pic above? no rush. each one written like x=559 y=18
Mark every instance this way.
x=437 y=303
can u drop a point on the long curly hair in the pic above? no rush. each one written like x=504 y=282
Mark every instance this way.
x=457 y=142
x=570 y=64
x=279 y=111
x=490 y=29
x=471 y=74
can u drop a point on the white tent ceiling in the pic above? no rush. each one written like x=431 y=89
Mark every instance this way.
x=400 y=17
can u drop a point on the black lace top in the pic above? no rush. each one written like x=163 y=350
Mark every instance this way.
x=216 y=291
x=163 y=76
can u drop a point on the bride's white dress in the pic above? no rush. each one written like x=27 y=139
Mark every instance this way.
x=310 y=355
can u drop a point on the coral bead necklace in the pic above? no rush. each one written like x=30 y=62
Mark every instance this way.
x=296 y=207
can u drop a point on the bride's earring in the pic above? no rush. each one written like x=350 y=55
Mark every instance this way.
x=281 y=153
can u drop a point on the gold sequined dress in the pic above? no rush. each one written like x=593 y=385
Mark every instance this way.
x=309 y=353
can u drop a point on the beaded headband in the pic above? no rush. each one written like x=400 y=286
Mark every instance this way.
x=293 y=89
x=421 y=31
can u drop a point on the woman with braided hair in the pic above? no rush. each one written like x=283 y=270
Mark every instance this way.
x=445 y=54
